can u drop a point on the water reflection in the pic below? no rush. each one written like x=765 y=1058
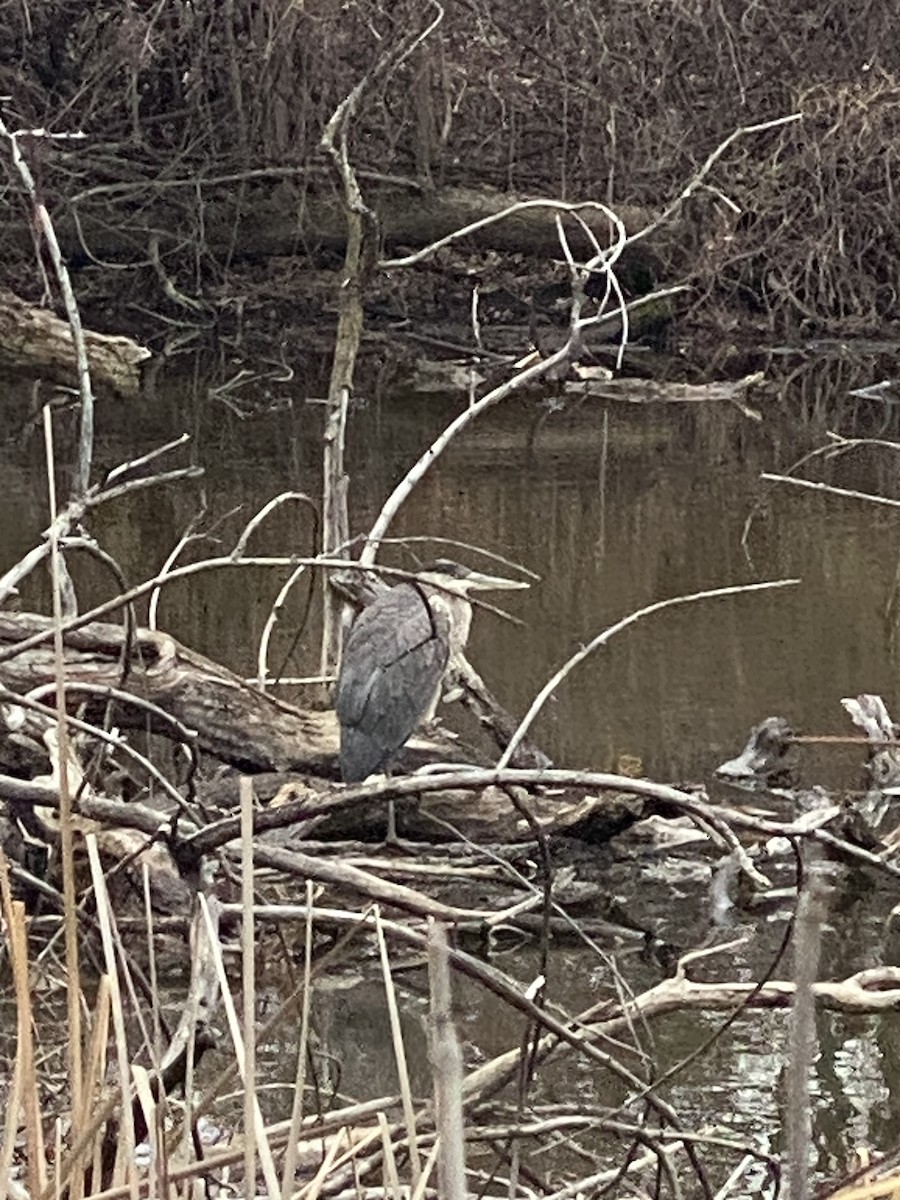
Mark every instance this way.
x=616 y=506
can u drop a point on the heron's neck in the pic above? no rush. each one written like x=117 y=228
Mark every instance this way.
x=458 y=616
x=459 y=630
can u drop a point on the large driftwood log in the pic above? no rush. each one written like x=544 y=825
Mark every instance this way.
x=234 y=721
x=256 y=732
x=237 y=723
x=35 y=339
x=274 y=220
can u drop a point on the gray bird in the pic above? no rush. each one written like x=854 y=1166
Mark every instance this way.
x=395 y=658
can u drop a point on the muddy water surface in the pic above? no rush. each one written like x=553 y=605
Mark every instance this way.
x=615 y=506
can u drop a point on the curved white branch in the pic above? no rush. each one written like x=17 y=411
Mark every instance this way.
x=602 y=638
x=605 y=261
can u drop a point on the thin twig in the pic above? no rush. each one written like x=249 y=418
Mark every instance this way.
x=42 y=216
x=602 y=638
x=409 y=1115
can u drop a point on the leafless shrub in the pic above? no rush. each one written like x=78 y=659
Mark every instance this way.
x=558 y=98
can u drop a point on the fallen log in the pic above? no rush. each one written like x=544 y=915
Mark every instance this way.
x=257 y=733
x=265 y=222
x=643 y=391
x=35 y=339
x=235 y=722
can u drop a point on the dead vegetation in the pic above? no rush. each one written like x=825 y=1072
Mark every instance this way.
x=176 y=800
x=186 y=173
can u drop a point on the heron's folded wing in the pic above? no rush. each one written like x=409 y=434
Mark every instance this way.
x=394 y=659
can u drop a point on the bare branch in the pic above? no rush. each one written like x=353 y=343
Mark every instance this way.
x=556 y=206
x=42 y=216
x=698 y=179
x=602 y=638
x=828 y=488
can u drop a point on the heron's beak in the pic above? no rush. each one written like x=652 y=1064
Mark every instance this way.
x=479 y=582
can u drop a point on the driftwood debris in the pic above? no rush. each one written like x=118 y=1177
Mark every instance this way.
x=234 y=722
x=178 y=693
x=643 y=391
x=495 y=814
x=35 y=339
x=869 y=713
x=768 y=756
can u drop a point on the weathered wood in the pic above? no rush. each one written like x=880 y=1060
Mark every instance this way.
x=294 y=809
x=257 y=732
x=35 y=339
x=234 y=721
x=768 y=757
x=275 y=220
x=642 y=391
x=490 y=815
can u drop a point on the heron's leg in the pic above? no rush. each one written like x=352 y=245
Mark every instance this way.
x=447 y=691
x=430 y=714
x=390 y=838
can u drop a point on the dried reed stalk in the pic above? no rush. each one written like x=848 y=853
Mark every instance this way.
x=11 y=1128
x=290 y=1157
x=151 y=964
x=125 y=1164
x=25 y=1092
x=312 y=1190
x=263 y=1148
x=427 y=1171
x=96 y=1073
x=446 y=1068
x=70 y=920
x=409 y=1112
x=151 y=1117
x=391 y=1175
x=248 y=959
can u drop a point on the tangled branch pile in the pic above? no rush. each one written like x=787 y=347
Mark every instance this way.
x=205 y=122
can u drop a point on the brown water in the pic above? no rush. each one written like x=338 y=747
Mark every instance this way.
x=615 y=506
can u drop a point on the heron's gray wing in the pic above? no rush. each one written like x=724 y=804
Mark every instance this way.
x=394 y=659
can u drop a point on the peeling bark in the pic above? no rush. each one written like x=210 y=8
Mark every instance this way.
x=234 y=721
x=35 y=339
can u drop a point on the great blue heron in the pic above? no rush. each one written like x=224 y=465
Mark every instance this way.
x=395 y=658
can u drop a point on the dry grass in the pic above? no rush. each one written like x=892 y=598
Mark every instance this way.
x=535 y=98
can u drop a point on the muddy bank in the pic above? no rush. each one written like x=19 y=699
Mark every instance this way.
x=203 y=142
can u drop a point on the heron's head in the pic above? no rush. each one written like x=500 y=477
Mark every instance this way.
x=463 y=580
